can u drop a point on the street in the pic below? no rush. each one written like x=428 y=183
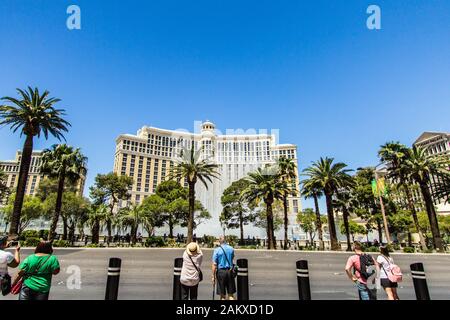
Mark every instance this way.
x=148 y=274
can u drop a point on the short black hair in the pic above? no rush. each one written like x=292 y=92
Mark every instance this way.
x=44 y=247
x=3 y=240
x=384 y=251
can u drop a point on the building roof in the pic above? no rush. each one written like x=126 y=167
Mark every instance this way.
x=429 y=134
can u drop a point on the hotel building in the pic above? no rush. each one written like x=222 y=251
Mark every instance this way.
x=148 y=156
x=436 y=143
x=11 y=169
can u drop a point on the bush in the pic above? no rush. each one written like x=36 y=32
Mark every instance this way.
x=29 y=234
x=92 y=245
x=171 y=242
x=409 y=250
x=232 y=240
x=372 y=249
x=43 y=234
x=428 y=251
x=155 y=242
x=209 y=241
x=61 y=244
x=31 y=242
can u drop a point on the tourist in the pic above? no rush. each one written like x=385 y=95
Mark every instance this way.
x=191 y=274
x=223 y=270
x=358 y=269
x=7 y=259
x=36 y=272
x=386 y=264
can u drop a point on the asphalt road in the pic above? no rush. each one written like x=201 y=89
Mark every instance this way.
x=148 y=274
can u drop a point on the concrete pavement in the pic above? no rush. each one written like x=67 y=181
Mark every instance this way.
x=148 y=274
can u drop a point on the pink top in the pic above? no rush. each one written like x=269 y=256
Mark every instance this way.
x=353 y=262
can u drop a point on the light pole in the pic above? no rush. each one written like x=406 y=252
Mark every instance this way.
x=388 y=238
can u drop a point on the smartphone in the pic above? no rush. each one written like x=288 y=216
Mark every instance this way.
x=14 y=243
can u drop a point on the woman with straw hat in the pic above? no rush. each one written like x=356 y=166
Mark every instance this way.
x=191 y=275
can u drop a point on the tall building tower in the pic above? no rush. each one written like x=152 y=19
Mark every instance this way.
x=148 y=156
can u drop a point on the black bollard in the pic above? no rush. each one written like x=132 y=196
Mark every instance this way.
x=420 y=281
x=176 y=278
x=242 y=280
x=304 y=290
x=112 y=284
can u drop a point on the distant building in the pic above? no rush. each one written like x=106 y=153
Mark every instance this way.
x=436 y=143
x=148 y=156
x=11 y=169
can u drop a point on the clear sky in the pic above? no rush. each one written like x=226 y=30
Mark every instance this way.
x=311 y=69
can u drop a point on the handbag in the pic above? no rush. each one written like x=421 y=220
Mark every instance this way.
x=395 y=274
x=15 y=289
x=234 y=268
x=5 y=281
x=200 y=273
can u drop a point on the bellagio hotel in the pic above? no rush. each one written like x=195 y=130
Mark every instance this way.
x=148 y=156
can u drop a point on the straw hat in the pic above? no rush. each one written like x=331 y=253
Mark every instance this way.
x=193 y=248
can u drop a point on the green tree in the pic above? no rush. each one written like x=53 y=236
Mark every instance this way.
x=62 y=162
x=288 y=175
x=32 y=114
x=152 y=213
x=32 y=209
x=48 y=185
x=109 y=189
x=420 y=168
x=330 y=177
x=96 y=216
x=401 y=222
x=236 y=211
x=310 y=190
x=395 y=155
x=265 y=185
x=308 y=222
x=73 y=208
x=353 y=229
x=173 y=202
x=4 y=190
x=193 y=167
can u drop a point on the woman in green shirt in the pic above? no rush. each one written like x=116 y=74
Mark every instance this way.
x=37 y=271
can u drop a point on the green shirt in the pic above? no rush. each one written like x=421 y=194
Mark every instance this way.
x=42 y=268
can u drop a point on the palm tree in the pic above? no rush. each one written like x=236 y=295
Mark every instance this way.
x=132 y=217
x=395 y=154
x=193 y=167
x=312 y=191
x=33 y=113
x=420 y=167
x=62 y=162
x=266 y=184
x=288 y=174
x=344 y=201
x=96 y=216
x=329 y=177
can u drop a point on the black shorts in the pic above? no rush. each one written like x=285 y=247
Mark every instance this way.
x=225 y=282
x=386 y=283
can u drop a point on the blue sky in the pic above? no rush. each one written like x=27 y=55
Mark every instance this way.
x=308 y=68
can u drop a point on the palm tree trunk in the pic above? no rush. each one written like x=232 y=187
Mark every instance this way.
x=95 y=231
x=241 y=226
x=380 y=231
x=133 y=234
x=285 y=207
x=59 y=195
x=22 y=183
x=347 y=229
x=437 y=239
x=423 y=244
x=72 y=233
x=270 y=240
x=191 y=212
x=65 y=229
x=331 y=224
x=319 y=223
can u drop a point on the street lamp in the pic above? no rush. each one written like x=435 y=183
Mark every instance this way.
x=388 y=238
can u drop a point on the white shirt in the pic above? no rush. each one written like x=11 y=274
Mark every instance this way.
x=189 y=275
x=5 y=259
x=385 y=265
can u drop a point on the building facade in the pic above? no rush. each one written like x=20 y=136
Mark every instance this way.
x=11 y=169
x=148 y=156
x=436 y=143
